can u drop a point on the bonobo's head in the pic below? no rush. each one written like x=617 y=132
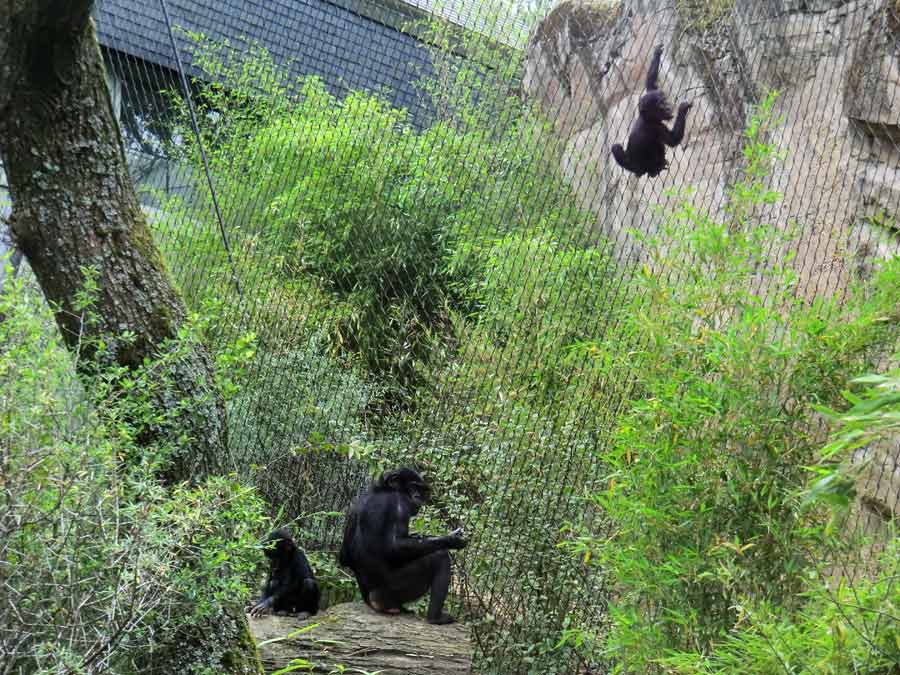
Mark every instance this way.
x=278 y=544
x=654 y=107
x=406 y=482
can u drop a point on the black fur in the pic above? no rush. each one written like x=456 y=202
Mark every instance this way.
x=649 y=136
x=392 y=566
x=290 y=587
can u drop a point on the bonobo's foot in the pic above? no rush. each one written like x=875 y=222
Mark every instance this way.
x=303 y=615
x=378 y=607
x=282 y=612
x=442 y=619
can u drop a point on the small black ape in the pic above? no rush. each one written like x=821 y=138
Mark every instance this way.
x=392 y=566
x=646 y=152
x=291 y=587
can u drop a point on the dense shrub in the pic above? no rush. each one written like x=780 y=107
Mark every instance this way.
x=104 y=569
x=383 y=227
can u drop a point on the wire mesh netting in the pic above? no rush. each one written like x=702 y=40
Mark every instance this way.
x=413 y=210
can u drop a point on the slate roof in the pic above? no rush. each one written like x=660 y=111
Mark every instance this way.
x=348 y=50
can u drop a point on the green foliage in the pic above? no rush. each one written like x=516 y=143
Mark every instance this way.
x=536 y=300
x=874 y=413
x=706 y=465
x=294 y=396
x=103 y=566
x=379 y=228
x=231 y=364
x=701 y=15
x=848 y=629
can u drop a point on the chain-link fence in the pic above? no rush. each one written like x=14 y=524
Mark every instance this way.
x=414 y=210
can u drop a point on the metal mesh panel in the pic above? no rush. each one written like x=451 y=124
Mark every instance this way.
x=309 y=388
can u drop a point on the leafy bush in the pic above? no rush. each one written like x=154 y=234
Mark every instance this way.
x=293 y=397
x=104 y=569
x=384 y=227
x=537 y=299
x=850 y=628
x=874 y=414
x=845 y=623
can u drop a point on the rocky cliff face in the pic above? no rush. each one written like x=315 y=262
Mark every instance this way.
x=836 y=64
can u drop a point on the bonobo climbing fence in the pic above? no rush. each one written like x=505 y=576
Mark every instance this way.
x=618 y=385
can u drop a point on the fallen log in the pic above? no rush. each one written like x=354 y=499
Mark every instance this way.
x=352 y=636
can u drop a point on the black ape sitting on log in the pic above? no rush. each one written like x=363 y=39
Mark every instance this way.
x=646 y=152
x=291 y=587
x=392 y=566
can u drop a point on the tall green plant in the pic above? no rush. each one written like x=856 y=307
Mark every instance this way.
x=707 y=462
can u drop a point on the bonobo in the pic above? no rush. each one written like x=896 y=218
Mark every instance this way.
x=392 y=566
x=291 y=587
x=646 y=151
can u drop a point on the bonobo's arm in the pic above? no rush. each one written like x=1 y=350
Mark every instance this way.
x=673 y=137
x=406 y=549
x=403 y=548
x=264 y=605
x=269 y=595
x=653 y=70
x=621 y=157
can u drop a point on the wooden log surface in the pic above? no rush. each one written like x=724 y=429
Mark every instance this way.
x=353 y=636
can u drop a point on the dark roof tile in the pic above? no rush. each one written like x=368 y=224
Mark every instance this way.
x=307 y=36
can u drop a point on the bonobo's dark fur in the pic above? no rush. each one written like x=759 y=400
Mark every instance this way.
x=392 y=566
x=290 y=587
x=646 y=151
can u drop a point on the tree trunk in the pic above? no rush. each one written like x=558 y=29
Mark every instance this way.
x=353 y=637
x=75 y=207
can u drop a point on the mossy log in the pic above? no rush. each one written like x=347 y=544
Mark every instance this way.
x=353 y=636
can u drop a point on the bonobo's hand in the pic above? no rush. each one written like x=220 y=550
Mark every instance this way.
x=686 y=105
x=261 y=607
x=657 y=50
x=455 y=539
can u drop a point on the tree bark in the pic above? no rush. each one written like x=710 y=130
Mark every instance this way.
x=352 y=636
x=74 y=207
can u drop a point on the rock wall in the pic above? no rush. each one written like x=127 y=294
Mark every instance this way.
x=836 y=64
